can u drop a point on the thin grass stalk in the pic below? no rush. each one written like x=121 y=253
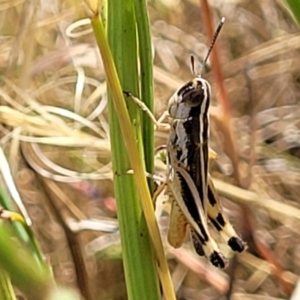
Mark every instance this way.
x=132 y=151
x=146 y=78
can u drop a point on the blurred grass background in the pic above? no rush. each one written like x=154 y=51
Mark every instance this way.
x=55 y=136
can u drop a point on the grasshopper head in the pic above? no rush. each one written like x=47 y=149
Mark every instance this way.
x=193 y=96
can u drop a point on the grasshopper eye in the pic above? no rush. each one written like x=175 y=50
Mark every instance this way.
x=200 y=94
x=195 y=95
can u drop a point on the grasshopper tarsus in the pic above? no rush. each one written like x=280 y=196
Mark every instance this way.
x=127 y=93
x=237 y=244
x=218 y=260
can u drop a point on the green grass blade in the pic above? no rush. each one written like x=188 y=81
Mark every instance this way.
x=6 y=290
x=140 y=273
x=24 y=232
x=19 y=264
x=131 y=148
x=22 y=267
x=294 y=6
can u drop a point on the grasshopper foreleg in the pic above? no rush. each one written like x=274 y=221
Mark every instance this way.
x=158 y=123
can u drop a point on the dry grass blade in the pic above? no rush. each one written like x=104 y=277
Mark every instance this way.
x=247 y=197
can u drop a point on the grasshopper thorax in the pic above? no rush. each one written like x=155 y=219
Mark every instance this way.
x=193 y=97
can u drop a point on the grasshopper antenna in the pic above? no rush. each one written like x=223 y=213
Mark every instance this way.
x=213 y=42
x=192 y=59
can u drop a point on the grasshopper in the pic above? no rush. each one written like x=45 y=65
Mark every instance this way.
x=190 y=188
x=194 y=197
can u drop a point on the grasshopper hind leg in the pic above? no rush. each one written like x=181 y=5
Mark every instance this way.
x=216 y=258
x=178 y=225
x=177 y=232
x=186 y=194
x=196 y=243
x=220 y=222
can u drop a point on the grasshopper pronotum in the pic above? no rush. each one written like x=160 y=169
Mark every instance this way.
x=194 y=199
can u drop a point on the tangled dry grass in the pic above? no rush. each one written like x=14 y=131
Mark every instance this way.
x=55 y=135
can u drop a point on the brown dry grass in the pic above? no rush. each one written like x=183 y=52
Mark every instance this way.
x=67 y=177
